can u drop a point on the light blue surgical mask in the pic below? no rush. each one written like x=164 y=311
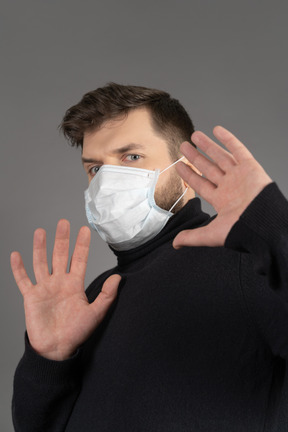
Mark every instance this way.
x=120 y=205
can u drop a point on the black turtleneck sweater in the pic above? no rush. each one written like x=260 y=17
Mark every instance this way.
x=196 y=341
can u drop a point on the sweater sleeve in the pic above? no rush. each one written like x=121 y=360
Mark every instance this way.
x=44 y=392
x=261 y=234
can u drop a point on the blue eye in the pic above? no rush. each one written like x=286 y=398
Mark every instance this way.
x=93 y=170
x=133 y=157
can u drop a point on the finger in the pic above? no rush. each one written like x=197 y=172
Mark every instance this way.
x=207 y=167
x=106 y=297
x=19 y=273
x=203 y=236
x=81 y=252
x=236 y=147
x=61 y=247
x=199 y=184
x=40 y=264
x=220 y=156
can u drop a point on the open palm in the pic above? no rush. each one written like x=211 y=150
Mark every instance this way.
x=232 y=179
x=58 y=315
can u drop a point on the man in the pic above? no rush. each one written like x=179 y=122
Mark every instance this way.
x=189 y=331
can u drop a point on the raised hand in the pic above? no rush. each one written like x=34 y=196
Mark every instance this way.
x=232 y=179
x=57 y=313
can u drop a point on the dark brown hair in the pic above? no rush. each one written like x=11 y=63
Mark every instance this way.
x=169 y=119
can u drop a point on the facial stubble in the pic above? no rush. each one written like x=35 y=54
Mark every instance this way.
x=169 y=193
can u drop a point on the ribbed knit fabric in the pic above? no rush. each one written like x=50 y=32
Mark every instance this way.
x=196 y=341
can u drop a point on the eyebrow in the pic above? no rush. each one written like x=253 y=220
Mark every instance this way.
x=128 y=147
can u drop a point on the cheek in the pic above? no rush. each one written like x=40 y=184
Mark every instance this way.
x=169 y=179
x=163 y=180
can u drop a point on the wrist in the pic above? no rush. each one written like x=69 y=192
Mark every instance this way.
x=57 y=354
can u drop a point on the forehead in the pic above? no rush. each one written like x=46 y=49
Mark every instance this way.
x=135 y=128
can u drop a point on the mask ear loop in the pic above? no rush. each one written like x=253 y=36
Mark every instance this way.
x=171 y=165
x=186 y=186
x=178 y=199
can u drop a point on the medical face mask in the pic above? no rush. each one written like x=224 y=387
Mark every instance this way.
x=120 y=205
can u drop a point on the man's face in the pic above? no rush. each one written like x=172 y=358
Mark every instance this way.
x=132 y=142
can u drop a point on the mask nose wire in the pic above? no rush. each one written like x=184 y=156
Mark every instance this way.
x=171 y=165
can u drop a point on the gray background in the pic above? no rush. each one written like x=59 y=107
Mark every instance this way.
x=225 y=60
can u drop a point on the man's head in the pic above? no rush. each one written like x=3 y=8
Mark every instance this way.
x=168 y=117
x=131 y=126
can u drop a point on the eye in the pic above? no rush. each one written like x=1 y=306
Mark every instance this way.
x=93 y=170
x=133 y=157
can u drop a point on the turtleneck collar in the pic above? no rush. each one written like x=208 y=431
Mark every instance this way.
x=190 y=216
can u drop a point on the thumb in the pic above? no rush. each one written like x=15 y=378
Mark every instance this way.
x=110 y=286
x=203 y=236
x=106 y=297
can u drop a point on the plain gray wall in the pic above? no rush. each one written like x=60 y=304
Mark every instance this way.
x=225 y=60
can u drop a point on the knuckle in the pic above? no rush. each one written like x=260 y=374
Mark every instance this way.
x=60 y=247
x=80 y=259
